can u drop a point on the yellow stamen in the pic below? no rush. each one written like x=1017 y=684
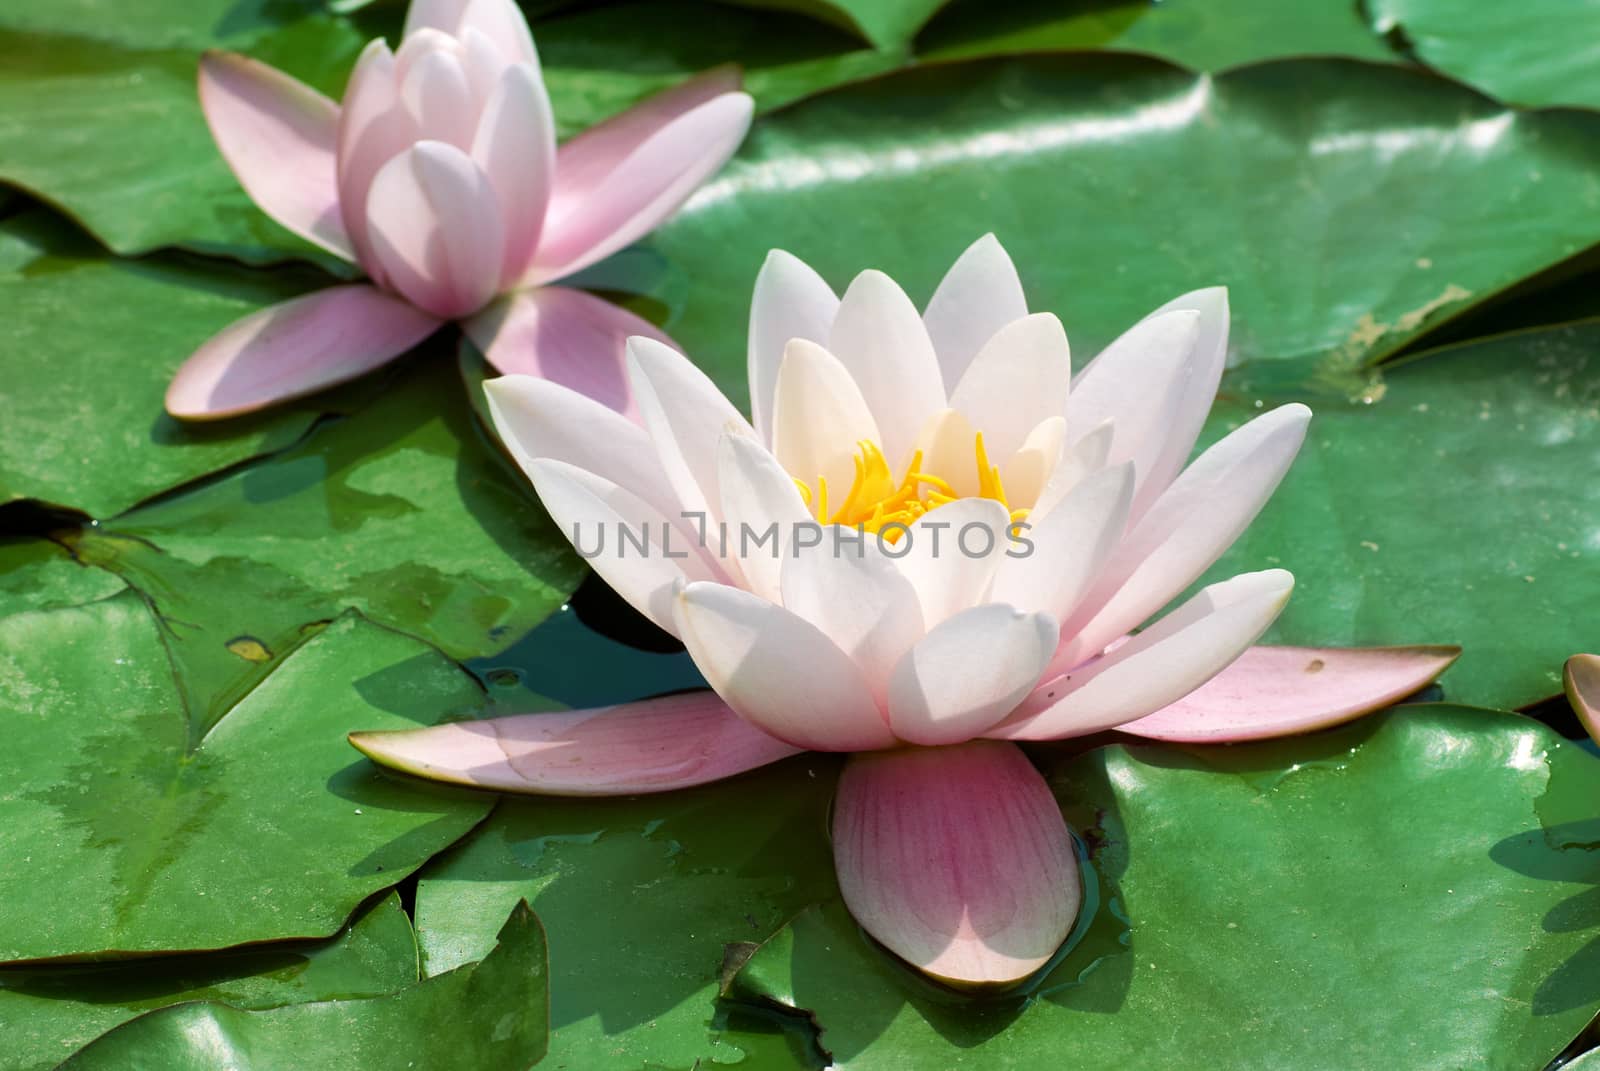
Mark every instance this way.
x=877 y=500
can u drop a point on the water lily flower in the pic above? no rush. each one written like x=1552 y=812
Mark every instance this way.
x=930 y=660
x=439 y=176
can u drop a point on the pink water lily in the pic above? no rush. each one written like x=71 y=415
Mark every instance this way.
x=439 y=175
x=1581 y=677
x=1080 y=521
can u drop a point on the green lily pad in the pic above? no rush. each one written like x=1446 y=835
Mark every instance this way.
x=48 y=1013
x=91 y=344
x=1542 y=52
x=100 y=117
x=598 y=61
x=1350 y=207
x=1453 y=509
x=400 y=511
x=640 y=897
x=1398 y=892
x=489 y=1016
x=887 y=24
x=36 y=574
x=164 y=833
x=1208 y=35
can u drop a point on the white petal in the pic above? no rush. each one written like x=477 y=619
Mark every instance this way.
x=778 y=671
x=1018 y=379
x=858 y=599
x=686 y=415
x=880 y=339
x=758 y=498
x=502 y=22
x=978 y=296
x=1188 y=528
x=1160 y=665
x=1195 y=393
x=968 y=673
x=790 y=301
x=439 y=99
x=596 y=516
x=536 y=418
x=1027 y=472
x=951 y=553
x=1078 y=462
x=1069 y=546
x=818 y=418
x=1137 y=384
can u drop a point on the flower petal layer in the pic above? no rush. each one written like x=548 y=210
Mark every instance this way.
x=566 y=336
x=791 y=301
x=968 y=673
x=979 y=295
x=778 y=670
x=643 y=190
x=957 y=859
x=1280 y=691
x=295 y=348
x=278 y=136
x=655 y=745
x=882 y=343
x=1157 y=667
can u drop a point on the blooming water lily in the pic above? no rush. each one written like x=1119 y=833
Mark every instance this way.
x=956 y=539
x=439 y=175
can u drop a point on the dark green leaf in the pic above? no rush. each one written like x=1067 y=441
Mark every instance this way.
x=1349 y=206
x=640 y=897
x=133 y=825
x=36 y=574
x=47 y=1013
x=399 y=511
x=1414 y=890
x=1204 y=34
x=1456 y=508
x=91 y=343
x=1541 y=52
x=888 y=24
x=489 y=1016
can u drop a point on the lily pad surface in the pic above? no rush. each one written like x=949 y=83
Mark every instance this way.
x=1306 y=898
x=1453 y=508
x=48 y=1013
x=1541 y=52
x=91 y=343
x=134 y=826
x=490 y=1016
x=401 y=512
x=1349 y=206
x=36 y=574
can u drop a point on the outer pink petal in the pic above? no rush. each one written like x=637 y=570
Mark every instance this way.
x=295 y=348
x=589 y=158
x=779 y=671
x=651 y=746
x=957 y=859
x=278 y=136
x=1280 y=691
x=644 y=189
x=1582 y=677
x=566 y=336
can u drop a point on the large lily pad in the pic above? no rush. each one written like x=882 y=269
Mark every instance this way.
x=36 y=574
x=1382 y=895
x=99 y=114
x=1349 y=206
x=165 y=833
x=400 y=511
x=1454 y=509
x=1541 y=52
x=598 y=61
x=91 y=343
x=640 y=897
x=1205 y=34
x=887 y=24
x=489 y=1016
x=48 y=1013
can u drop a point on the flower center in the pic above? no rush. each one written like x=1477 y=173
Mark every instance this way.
x=877 y=500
